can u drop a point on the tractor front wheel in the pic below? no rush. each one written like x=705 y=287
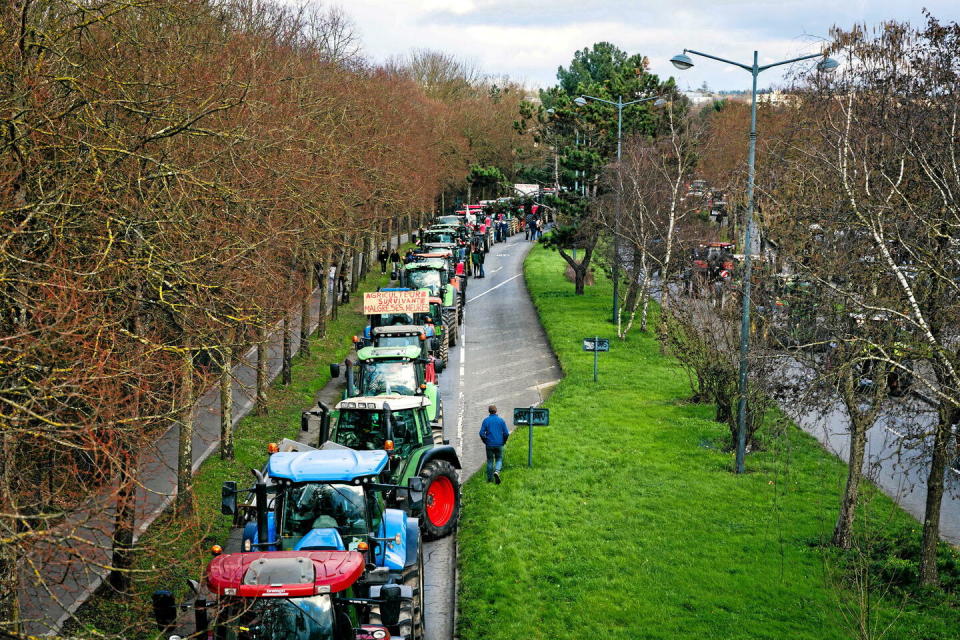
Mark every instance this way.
x=441 y=504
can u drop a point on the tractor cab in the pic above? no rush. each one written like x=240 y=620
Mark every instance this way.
x=286 y=595
x=440 y=234
x=401 y=426
x=327 y=499
x=391 y=371
x=412 y=336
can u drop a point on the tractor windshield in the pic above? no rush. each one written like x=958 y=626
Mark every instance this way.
x=390 y=319
x=384 y=377
x=360 y=430
x=425 y=279
x=309 y=618
x=439 y=236
x=412 y=340
x=317 y=505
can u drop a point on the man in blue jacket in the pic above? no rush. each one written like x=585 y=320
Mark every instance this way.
x=494 y=434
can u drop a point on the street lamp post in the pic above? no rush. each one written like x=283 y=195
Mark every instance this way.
x=619 y=104
x=683 y=62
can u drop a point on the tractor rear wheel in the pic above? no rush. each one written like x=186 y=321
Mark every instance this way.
x=410 y=625
x=450 y=325
x=411 y=612
x=444 y=352
x=441 y=504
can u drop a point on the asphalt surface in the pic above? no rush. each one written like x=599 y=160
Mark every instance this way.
x=502 y=358
x=897 y=453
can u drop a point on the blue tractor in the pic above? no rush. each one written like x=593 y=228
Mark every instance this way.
x=332 y=499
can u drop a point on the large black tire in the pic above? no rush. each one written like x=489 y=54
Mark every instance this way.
x=410 y=626
x=445 y=348
x=450 y=325
x=441 y=505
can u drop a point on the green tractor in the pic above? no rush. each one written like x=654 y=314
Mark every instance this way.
x=400 y=425
x=402 y=371
x=433 y=274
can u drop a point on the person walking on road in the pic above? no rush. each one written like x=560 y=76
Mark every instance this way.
x=395 y=259
x=494 y=433
x=477 y=256
x=382 y=256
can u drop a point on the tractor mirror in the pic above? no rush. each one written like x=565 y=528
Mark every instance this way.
x=305 y=421
x=415 y=493
x=438 y=365
x=334 y=370
x=395 y=274
x=165 y=609
x=435 y=344
x=228 y=498
x=194 y=587
x=390 y=604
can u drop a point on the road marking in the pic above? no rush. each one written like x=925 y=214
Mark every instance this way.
x=496 y=287
x=461 y=404
x=495 y=270
x=544 y=385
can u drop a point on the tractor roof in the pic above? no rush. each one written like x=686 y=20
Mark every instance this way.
x=398 y=329
x=283 y=574
x=440 y=245
x=322 y=465
x=440 y=255
x=375 y=403
x=430 y=263
x=389 y=353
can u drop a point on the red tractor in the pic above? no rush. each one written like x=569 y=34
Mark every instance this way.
x=289 y=595
x=713 y=264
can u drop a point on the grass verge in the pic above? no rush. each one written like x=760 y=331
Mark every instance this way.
x=630 y=524
x=172 y=551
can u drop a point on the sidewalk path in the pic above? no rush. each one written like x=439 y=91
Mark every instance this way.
x=61 y=574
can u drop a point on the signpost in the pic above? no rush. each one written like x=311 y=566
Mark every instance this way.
x=377 y=302
x=596 y=345
x=532 y=417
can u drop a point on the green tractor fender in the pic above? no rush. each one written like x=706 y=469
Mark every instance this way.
x=449 y=296
x=423 y=456
x=432 y=394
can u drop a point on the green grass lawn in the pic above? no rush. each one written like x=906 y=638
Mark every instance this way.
x=172 y=550
x=631 y=525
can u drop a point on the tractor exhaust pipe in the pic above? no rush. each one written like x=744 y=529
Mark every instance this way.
x=260 y=495
x=388 y=421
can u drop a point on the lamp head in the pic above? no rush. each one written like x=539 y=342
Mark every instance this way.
x=580 y=101
x=660 y=102
x=681 y=61
x=827 y=64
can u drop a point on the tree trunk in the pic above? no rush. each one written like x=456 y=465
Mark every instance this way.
x=949 y=416
x=226 y=403
x=305 y=306
x=324 y=285
x=124 y=522
x=263 y=366
x=354 y=269
x=286 y=376
x=843 y=531
x=184 y=504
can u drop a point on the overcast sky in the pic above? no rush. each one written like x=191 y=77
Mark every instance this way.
x=529 y=39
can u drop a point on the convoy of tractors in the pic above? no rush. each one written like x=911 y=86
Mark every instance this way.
x=328 y=539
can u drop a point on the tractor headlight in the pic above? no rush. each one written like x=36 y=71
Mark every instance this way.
x=379 y=634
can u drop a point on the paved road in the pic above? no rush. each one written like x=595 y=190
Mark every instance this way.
x=503 y=358
x=897 y=453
